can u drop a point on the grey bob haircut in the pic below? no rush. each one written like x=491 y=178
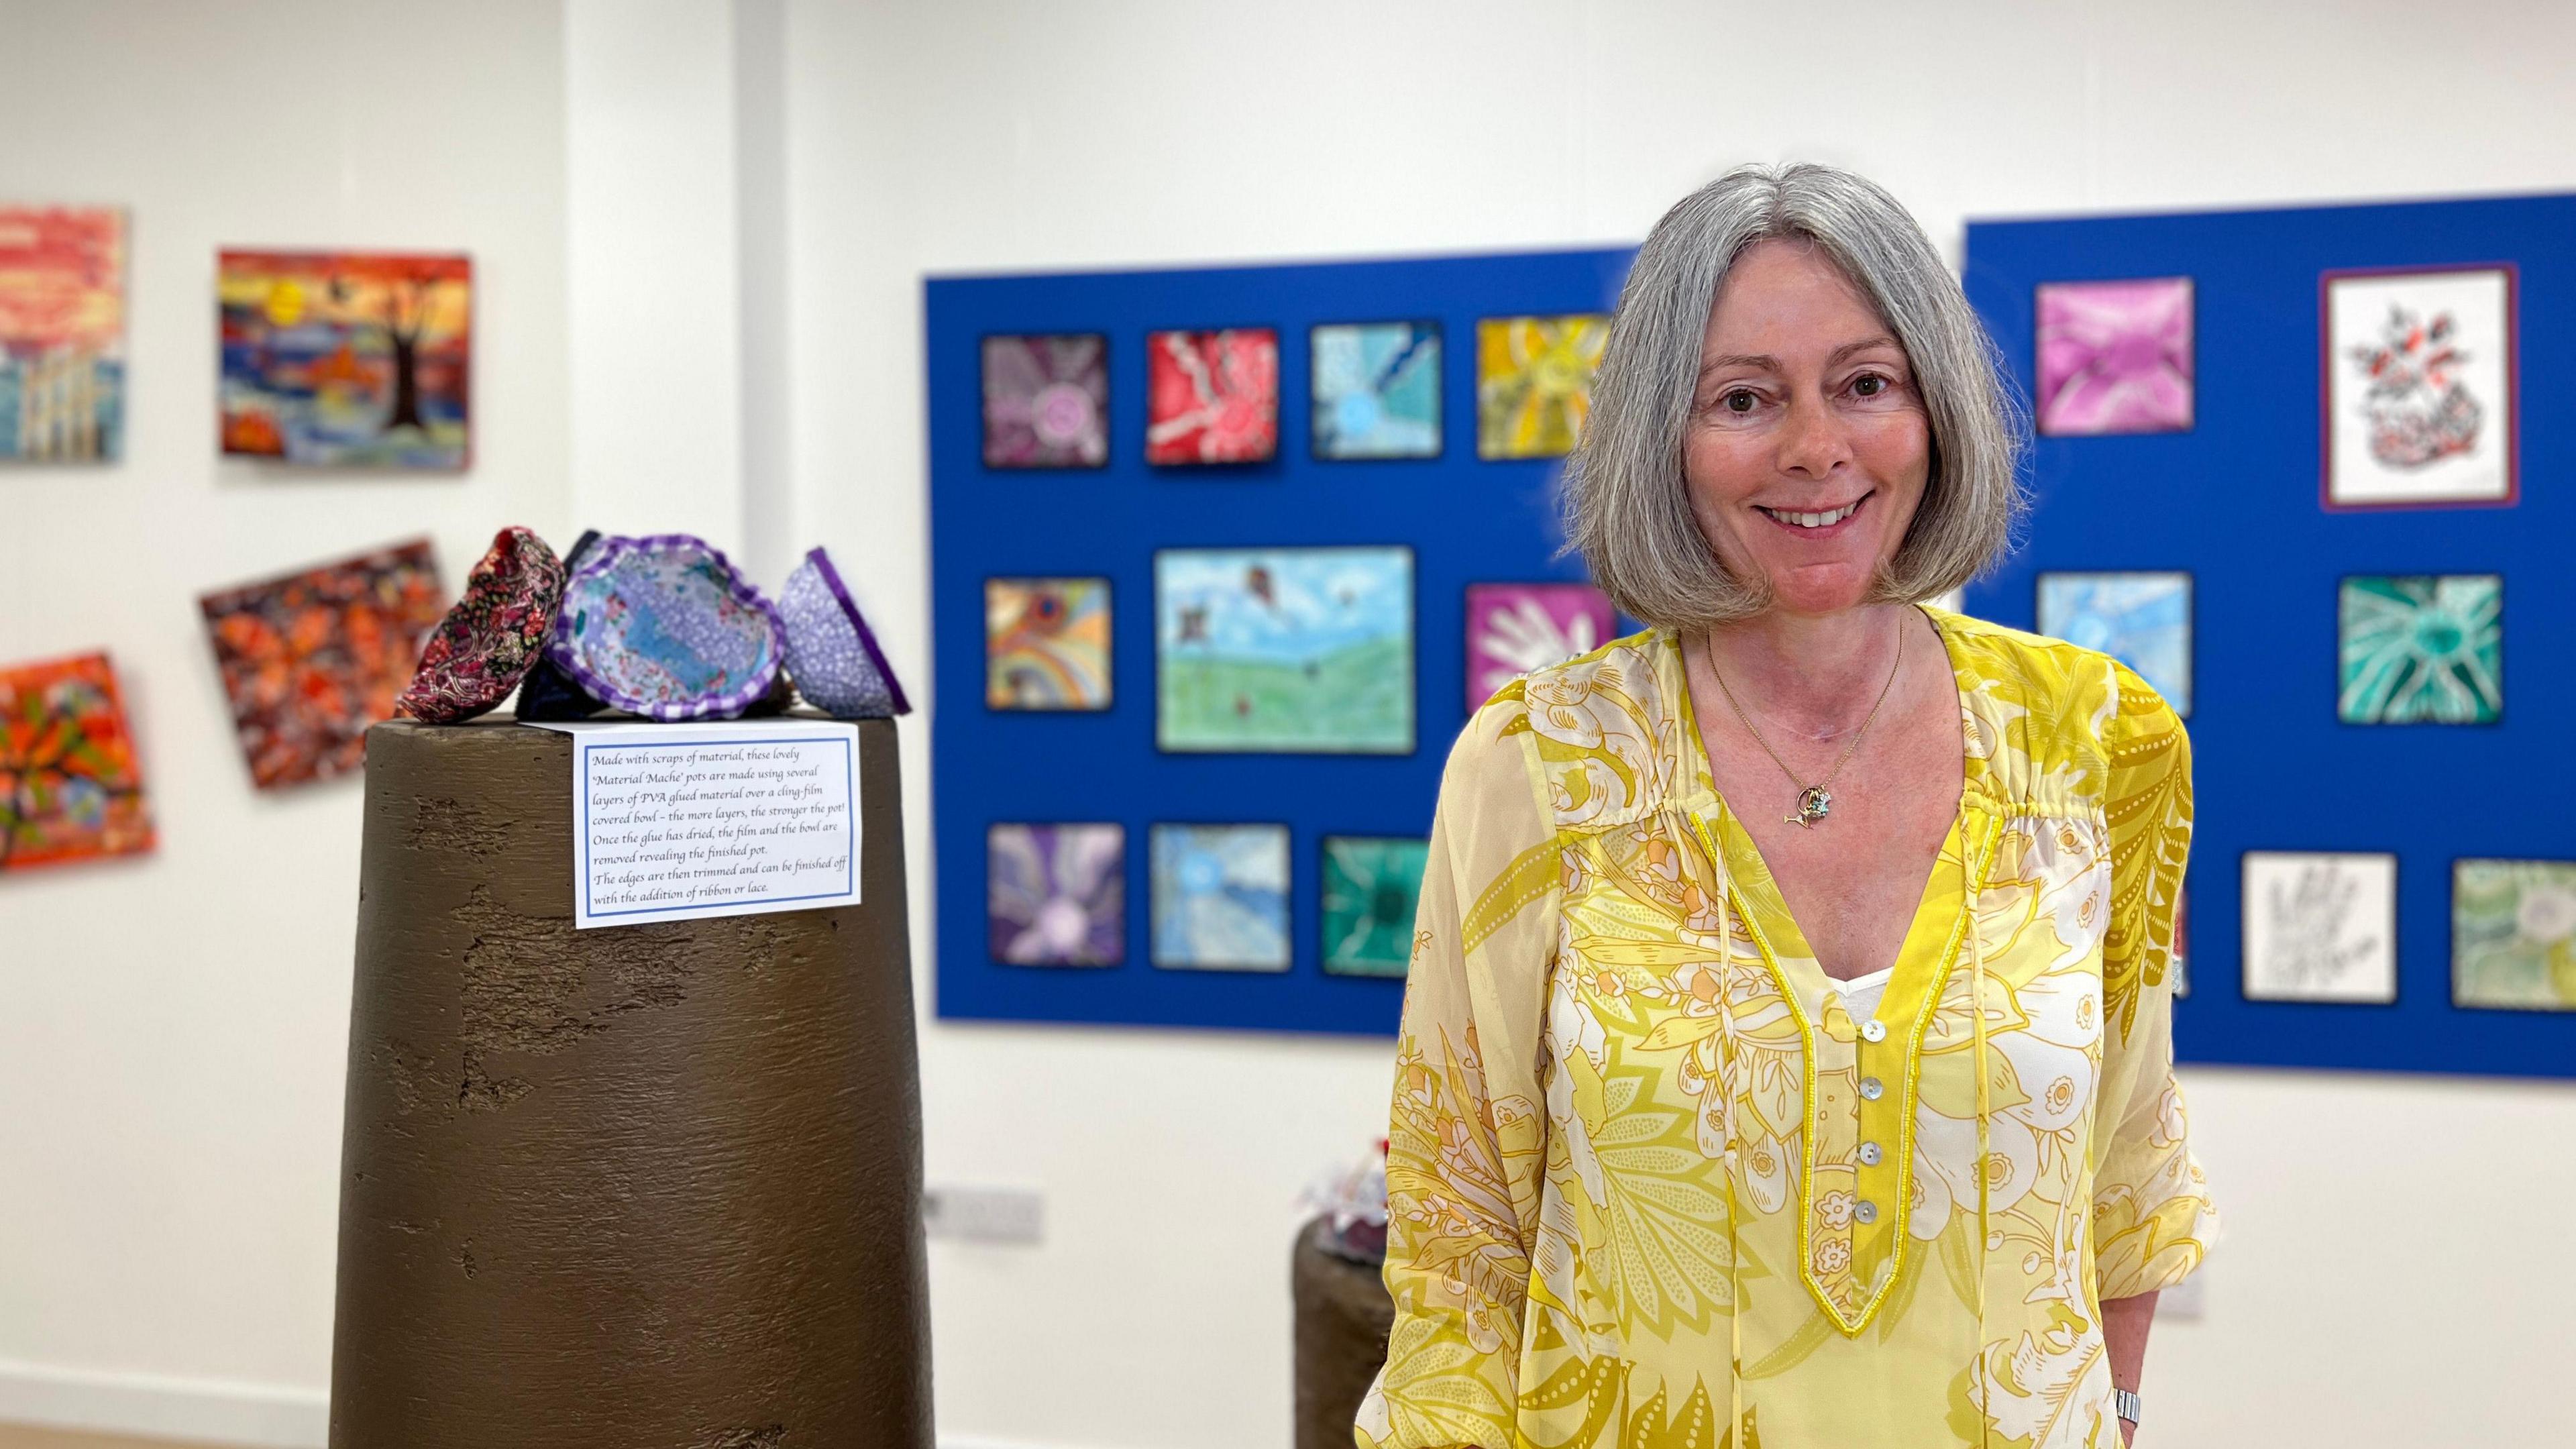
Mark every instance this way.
x=1626 y=507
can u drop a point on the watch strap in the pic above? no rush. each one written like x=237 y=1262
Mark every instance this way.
x=2125 y=1404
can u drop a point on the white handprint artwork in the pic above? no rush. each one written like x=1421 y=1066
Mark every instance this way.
x=2320 y=927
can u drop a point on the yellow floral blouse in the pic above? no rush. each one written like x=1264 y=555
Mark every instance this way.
x=1647 y=1178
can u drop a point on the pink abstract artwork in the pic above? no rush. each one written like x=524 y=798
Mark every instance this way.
x=1515 y=628
x=2115 y=357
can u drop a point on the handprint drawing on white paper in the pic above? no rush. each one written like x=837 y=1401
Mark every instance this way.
x=2320 y=927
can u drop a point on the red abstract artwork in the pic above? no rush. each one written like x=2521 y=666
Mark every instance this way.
x=69 y=785
x=1212 y=397
x=312 y=659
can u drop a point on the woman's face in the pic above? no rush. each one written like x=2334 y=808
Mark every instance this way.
x=1808 y=447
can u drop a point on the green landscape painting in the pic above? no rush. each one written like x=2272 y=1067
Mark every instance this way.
x=1284 y=650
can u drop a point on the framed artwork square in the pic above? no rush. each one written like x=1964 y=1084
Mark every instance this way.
x=347 y=359
x=2142 y=619
x=1046 y=400
x=1046 y=644
x=2513 y=934
x=2115 y=357
x=70 y=785
x=311 y=659
x=1376 y=390
x=62 y=334
x=1284 y=650
x=1372 y=886
x=1534 y=383
x=2420 y=389
x=2420 y=649
x=2320 y=927
x=1515 y=628
x=1212 y=397
x=1056 y=895
x=1220 y=897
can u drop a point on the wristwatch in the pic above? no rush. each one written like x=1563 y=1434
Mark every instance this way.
x=2125 y=1404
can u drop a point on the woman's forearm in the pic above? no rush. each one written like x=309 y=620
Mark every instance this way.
x=2125 y=1322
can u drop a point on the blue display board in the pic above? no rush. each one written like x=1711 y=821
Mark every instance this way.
x=1466 y=521
x=2235 y=502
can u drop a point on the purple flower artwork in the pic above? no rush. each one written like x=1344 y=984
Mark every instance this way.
x=1515 y=628
x=2115 y=357
x=1046 y=401
x=1055 y=895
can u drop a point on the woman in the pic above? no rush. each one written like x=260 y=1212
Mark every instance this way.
x=1747 y=940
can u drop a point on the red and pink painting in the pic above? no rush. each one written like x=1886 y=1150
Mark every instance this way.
x=1212 y=397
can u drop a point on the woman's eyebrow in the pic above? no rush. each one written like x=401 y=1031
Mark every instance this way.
x=1864 y=345
x=1764 y=362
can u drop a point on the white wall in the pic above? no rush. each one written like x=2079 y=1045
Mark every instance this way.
x=172 y=1030
x=979 y=135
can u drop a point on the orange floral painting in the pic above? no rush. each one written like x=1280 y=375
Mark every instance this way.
x=310 y=660
x=69 y=785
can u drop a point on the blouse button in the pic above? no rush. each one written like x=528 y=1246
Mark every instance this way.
x=1869 y=1154
x=1865 y=1211
x=1870 y=1090
x=1873 y=1030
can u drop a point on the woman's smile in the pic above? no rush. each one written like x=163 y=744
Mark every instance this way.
x=1817 y=523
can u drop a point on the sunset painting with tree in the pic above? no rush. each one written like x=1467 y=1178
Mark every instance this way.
x=347 y=360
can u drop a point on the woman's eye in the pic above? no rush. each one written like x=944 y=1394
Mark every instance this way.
x=1869 y=384
x=1738 y=401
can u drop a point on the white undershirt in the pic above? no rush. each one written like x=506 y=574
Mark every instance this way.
x=1861 y=993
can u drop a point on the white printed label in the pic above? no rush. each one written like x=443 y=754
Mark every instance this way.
x=674 y=822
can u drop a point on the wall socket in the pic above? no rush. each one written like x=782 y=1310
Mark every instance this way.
x=983 y=1214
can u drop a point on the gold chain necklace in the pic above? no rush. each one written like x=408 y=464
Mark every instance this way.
x=1814 y=801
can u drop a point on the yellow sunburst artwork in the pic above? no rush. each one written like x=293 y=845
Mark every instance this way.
x=1534 y=383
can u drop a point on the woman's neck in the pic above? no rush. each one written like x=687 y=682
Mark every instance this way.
x=1813 y=674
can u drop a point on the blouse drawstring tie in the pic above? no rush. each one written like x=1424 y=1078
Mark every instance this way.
x=1985 y=1106
x=1734 y=1222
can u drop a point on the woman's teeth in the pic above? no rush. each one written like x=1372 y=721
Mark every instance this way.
x=1813 y=520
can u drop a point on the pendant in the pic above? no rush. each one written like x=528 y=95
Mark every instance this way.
x=1814 y=803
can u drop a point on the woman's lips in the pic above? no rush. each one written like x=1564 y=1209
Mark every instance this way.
x=1815 y=523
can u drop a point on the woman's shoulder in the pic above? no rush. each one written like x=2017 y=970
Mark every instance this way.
x=1618 y=699
x=2065 y=692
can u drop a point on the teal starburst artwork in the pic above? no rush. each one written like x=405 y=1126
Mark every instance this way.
x=2422 y=649
x=1371 y=887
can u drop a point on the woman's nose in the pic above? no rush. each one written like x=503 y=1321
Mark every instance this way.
x=1811 y=439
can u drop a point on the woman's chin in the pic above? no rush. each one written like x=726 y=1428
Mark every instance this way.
x=1820 y=588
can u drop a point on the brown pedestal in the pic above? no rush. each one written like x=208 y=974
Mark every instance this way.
x=1343 y=1318
x=643 y=1187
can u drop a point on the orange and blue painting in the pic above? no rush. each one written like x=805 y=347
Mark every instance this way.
x=62 y=334
x=69 y=785
x=347 y=360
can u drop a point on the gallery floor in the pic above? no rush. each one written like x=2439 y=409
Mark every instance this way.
x=19 y=1436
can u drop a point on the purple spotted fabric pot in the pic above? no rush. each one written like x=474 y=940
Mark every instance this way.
x=663 y=627
x=830 y=649
x=496 y=633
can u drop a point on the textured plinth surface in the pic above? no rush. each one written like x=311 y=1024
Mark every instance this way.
x=646 y=1187
x=1343 y=1318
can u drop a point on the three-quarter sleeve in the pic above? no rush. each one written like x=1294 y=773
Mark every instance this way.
x=2152 y=1217
x=1466 y=1136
